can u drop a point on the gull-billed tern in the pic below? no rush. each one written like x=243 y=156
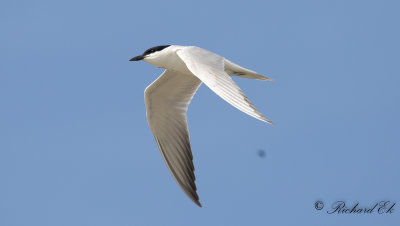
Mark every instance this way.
x=168 y=97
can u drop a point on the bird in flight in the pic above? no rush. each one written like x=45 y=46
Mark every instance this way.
x=168 y=97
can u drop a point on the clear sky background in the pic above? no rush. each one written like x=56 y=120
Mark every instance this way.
x=75 y=147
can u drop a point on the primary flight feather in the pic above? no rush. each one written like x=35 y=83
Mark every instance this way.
x=168 y=97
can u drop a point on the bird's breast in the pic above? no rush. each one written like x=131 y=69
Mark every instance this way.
x=175 y=63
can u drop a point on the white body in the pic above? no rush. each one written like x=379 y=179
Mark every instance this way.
x=167 y=99
x=169 y=59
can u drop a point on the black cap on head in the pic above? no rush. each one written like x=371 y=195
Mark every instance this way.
x=149 y=51
x=154 y=49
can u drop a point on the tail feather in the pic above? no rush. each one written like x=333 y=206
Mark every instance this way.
x=235 y=70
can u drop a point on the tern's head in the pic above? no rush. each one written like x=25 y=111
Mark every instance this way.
x=152 y=55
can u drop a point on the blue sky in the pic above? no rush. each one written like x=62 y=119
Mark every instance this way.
x=75 y=147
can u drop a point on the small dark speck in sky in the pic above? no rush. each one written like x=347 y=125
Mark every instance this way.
x=261 y=153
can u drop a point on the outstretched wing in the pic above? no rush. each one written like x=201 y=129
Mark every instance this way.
x=167 y=100
x=209 y=68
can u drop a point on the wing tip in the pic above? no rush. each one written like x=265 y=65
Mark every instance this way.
x=267 y=121
x=197 y=202
x=194 y=197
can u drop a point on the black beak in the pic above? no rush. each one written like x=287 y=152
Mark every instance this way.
x=137 y=58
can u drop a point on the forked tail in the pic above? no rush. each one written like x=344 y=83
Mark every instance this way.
x=233 y=69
